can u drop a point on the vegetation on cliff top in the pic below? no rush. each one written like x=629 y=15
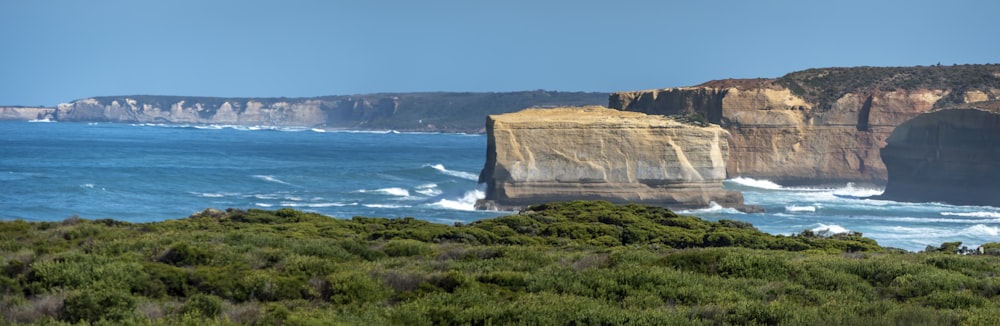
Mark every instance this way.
x=559 y=263
x=826 y=85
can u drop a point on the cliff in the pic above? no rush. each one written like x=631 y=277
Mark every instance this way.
x=25 y=113
x=450 y=112
x=818 y=126
x=945 y=156
x=595 y=153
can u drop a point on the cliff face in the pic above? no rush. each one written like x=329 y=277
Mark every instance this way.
x=184 y=111
x=780 y=136
x=538 y=156
x=26 y=113
x=945 y=156
x=450 y=112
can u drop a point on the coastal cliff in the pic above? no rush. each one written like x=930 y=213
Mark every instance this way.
x=26 y=113
x=595 y=153
x=448 y=112
x=818 y=126
x=945 y=156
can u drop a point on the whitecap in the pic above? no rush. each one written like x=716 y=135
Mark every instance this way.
x=385 y=206
x=262 y=205
x=318 y=130
x=973 y=214
x=828 y=230
x=465 y=203
x=87 y=185
x=394 y=191
x=429 y=190
x=316 y=205
x=980 y=230
x=755 y=183
x=794 y=208
x=458 y=174
x=852 y=192
x=209 y=194
x=713 y=208
x=271 y=178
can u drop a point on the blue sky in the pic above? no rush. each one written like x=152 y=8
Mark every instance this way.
x=58 y=51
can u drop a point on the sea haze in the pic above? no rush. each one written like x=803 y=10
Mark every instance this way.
x=141 y=173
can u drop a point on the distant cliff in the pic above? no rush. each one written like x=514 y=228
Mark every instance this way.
x=26 y=113
x=451 y=112
x=820 y=125
x=595 y=153
x=946 y=156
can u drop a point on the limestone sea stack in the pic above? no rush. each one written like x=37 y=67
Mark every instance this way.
x=537 y=156
x=946 y=156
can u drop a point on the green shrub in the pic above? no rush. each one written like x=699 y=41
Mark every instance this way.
x=407 y=248
x=205 y=305
x=355 y=287
x=183 y=254
x=94 y=304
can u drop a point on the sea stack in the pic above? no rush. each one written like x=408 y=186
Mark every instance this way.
x=948 y=156
x=537 y=156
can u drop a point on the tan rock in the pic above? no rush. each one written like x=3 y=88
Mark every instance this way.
x=542 y=155
x=778 y=136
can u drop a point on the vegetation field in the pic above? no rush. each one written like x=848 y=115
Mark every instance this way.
x=575 y=263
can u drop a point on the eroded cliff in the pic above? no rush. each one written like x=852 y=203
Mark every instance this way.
x=443 y=111
x=946 y=156
x=819 y=126
x=537 y=156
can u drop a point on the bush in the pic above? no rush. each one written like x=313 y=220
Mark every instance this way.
x=407 y=248
x=205 y=305
x=183 y=254
x=354 y=287
x=90 y=305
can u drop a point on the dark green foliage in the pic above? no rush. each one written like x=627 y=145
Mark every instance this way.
x=575 y=262
x=202 y=304
x=94 y=304
x=183 y=254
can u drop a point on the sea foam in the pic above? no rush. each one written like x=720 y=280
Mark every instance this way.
x=828 y=230
x=755 y=183
x=465 y=203
x=458 y=174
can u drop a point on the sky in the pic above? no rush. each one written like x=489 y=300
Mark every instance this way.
x=57 y=51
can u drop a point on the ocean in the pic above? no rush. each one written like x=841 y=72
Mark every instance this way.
x=151 y=172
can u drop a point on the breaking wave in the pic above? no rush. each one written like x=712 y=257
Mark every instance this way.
x=465 y=203
x=457 y=174
x=828 y=230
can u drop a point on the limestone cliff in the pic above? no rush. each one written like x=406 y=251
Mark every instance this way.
x=820 y=126
x=26 y=113
x=946 y=156
x=536 y=156
x=451 y=112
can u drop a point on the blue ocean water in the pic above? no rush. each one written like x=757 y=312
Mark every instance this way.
x=140 y=173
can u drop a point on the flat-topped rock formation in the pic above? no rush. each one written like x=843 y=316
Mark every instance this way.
x=946 y=156
x=542 y=155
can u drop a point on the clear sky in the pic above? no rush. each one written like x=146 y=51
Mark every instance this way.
x=57 y=51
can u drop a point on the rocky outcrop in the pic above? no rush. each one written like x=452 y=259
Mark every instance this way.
x=823 y=133
x=450 y=112
x=26 y=113
x=537 y=156
x=946 y=156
